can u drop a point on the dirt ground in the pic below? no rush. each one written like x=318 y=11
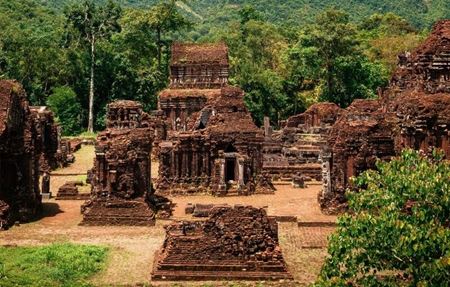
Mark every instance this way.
x=133 y=248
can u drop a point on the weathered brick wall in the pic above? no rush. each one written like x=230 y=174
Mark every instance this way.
x=47 y=139
x=20 y=199
x=294 y=150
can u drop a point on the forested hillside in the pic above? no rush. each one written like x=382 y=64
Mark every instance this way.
x=420 y=13
x=286 y=55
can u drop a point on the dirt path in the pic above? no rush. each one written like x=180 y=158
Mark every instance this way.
x=133 y=248
x=84 y=160
x=286 y=201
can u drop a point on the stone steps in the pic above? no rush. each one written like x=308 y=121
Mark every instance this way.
x=317 y=224
x=219 y=276
x=224 y=266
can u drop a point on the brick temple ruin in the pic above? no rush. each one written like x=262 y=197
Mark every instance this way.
x=412 y=112
x=122 y=192
x=239 y=243
x=295 y=149
x=28 y=148
x=211 y=144
x=48 y=135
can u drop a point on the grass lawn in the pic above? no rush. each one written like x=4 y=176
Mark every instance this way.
x=52 y=265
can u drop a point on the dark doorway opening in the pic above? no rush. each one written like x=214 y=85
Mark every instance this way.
x=230 y=167
x=230 y=148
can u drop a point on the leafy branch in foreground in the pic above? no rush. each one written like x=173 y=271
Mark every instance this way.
x=398 y=232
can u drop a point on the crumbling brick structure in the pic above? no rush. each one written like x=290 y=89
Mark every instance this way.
x=423 y=121
x=69 y=191
x=413 y=112
x=427 y=68
x=48 y=138
x=419 y=93
x=197 y=72
x=363 y=134
x=121 y=184
x=294 y=150
x=221 y=152
x=199 y=66
x=20 y=199
x=238 y=243
x=211 y=143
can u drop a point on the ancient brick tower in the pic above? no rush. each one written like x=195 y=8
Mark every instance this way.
x=28 y=147
x=212 y=144
x=121 y=183
x=197 y=72
x=412 y=112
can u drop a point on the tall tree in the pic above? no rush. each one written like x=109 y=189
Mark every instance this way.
x=160 y=20
x=93 y=23
x=343 y=72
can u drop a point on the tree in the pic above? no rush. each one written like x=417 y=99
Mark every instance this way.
x=256 y=48
x=384 y=37
x=343 y=72
x=161 y=19
x=63 y=102
x=30 y=50
x=93 y=23
x=398 y=231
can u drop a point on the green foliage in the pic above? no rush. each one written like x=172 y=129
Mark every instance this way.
x=63 y=102
x=281 y=54
x=93 y=23
x=257 y=66
x=52 y=265
x=29 y=47
x=398 y=231
x=338 y=66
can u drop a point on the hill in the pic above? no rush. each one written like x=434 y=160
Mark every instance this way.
x=421 y=13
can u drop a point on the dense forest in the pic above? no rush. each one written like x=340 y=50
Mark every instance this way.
x=420 y=13
x=286 y=55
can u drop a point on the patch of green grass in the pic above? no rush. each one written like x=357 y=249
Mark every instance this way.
x=82 y=178
x=53 y=265
x=88 y=135
x=83 y=135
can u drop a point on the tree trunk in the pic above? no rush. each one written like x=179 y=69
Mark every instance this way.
x=158 y=35
x=91 y=89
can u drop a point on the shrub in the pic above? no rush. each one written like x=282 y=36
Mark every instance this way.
x=398 y=231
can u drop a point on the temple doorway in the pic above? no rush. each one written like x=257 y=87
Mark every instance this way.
x=230 y=169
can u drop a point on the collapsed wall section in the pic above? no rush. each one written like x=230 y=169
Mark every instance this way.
x=239 y=243
x=294 y=151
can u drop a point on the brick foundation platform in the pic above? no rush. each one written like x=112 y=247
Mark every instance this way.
x=239 y=243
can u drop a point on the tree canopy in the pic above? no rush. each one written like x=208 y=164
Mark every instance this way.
x=283 y=67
